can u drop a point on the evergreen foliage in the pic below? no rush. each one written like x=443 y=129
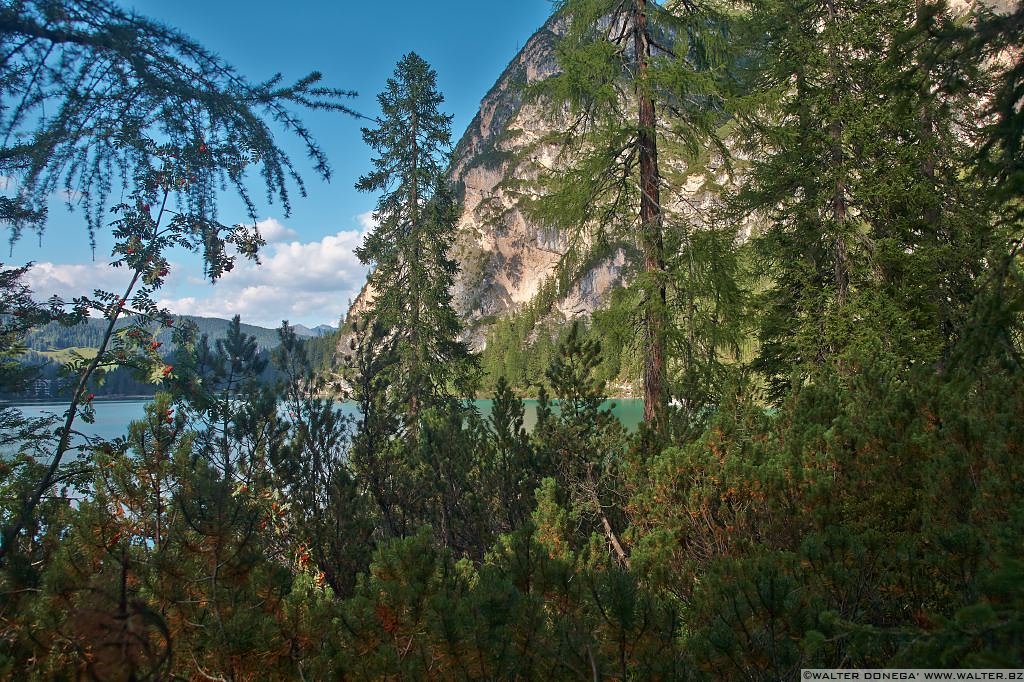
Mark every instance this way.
x=622 y=62
x=521 y=347
x=851 y=497
x=411 y=447
x=412 y=271
x=873 y=232
x=310 y=469
x=224 y=387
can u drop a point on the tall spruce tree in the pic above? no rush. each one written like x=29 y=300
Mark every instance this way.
x=962 y=53
x=408 y=249
x=635 y=81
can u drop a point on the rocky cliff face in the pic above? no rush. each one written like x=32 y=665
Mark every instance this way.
x=505 y=256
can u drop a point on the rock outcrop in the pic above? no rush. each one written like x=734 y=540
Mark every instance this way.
x=504 y=255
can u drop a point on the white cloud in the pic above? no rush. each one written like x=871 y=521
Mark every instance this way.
x=303 y=282
x=273 y=231
x=68 y=281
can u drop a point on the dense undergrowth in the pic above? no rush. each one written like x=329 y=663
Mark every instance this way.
x=873 y=519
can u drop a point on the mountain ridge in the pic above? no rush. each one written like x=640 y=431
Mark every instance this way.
x=54 y=337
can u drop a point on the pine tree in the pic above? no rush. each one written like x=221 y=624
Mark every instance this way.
x=312 y=469
x=408 y=249
x=229 y=395
x=511 y=467
x=962 y=53
x=636 y=81
x=585 y=442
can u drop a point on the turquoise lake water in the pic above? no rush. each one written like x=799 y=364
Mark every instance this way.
x=113 y=416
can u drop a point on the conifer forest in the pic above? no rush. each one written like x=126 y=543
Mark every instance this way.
x=828 y=346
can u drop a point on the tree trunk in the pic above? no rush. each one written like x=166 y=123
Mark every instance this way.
x=933 y=213
x=652 y=243
x=606 y=525
x=415 y=286
x=839 y=200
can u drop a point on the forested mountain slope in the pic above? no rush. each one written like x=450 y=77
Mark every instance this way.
x=88 y=334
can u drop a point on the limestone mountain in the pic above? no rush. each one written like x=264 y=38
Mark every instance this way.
x=505 y=256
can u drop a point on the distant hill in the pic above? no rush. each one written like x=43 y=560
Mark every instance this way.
x=51 y=346
x=54 y=337
x=319 y=330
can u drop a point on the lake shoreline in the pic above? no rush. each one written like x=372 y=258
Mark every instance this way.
x=97 y=399
x=141 y=398
x=114 y=415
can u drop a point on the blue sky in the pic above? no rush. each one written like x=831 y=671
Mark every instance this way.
x=309 y=273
